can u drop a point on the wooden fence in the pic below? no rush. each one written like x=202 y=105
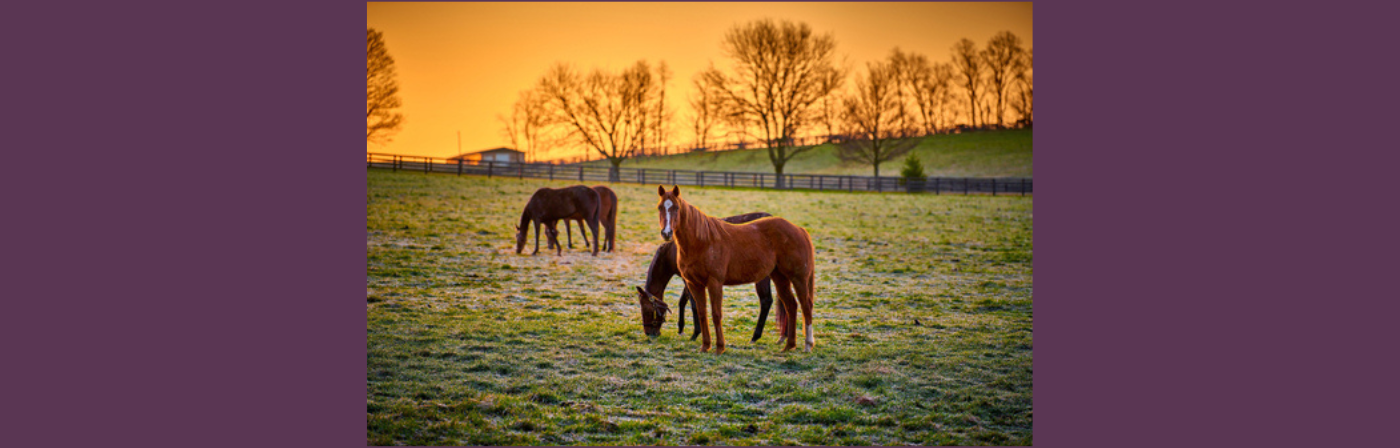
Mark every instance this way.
x=588 y=174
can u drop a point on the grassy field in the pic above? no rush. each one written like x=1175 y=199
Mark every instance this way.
x=977 y=154
x=472 y=344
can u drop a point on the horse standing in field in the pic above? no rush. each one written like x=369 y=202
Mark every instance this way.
x=663 y=268
x=607 y=217
x=549 y=204
x=712 y=253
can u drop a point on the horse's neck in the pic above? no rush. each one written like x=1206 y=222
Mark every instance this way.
x=661 y=270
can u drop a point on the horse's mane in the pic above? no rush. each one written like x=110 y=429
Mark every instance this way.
x=705 y=228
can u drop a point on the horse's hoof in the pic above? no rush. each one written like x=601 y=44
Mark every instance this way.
x=704 y=349
x=719 y=350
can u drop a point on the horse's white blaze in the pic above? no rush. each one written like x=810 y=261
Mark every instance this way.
x=668 y=216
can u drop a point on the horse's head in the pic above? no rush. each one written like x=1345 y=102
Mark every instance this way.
x=653 y=312
x=669 y=206
x=520 y=231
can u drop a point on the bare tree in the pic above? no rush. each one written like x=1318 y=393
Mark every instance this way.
x=1001 y=57
x=908 y=69
x=605 y=112
x=381 y=91
x=1022 y=74
x=829 y=110
x=707 y=110
x=872 y=114
x=661 y=118
x=932 y=84
x=527 y=127
x=968 y=64
x=781 y=71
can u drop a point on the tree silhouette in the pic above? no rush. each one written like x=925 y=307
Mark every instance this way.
x=1001 y=57
x=661 y=117
x=781 y=71
x=381 y=91
x=1022 y=74
x=872 y=114
x=608 y=113
x=527 y=127
x=968 y=65
x=707 y=109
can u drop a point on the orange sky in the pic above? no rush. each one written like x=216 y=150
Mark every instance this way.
x=462 y=64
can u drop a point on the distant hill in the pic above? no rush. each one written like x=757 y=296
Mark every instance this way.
x=1004 y=153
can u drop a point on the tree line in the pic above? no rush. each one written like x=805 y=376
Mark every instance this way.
x=783 y=84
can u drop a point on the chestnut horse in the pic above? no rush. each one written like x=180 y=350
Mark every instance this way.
x=663 y=268
x=607 y=217
x=712 y=253
x=549 y=204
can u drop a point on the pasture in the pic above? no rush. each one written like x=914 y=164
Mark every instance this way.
x=472 y=344
x=1004 y=153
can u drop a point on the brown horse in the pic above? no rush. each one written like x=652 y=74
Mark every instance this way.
x=712 y=253
x=663 y=268
x=549 y=204
x=607 y=217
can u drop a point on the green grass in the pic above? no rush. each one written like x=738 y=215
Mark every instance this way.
x=1004 y=153
x=472 y=344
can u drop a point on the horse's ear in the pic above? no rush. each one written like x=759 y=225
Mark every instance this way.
x=660 y=304
x=676 y=191
x=660 y=190
x=641 y=291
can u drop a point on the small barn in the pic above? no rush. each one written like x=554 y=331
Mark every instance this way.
x=491 y=155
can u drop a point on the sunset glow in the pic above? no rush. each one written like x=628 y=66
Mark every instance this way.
x=461 y=65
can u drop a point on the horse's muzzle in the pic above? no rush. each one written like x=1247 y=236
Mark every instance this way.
x=665 y=236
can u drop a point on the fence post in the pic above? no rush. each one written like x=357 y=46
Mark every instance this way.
x=489 y=168
x=700 y=178
x=1023 y=186
x=428 y=167
x=521 y=175
x=459 y=167
x=935 y=185
x=580 y=173
x=551 y=172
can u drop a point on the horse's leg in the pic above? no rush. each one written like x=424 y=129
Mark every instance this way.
x=568 y=234
x=789 y=307
x=782 y=323
x=804 y=287
x=698 y=298
x=680 y=311
x=764 y=288
x=612 y=228
x=583 y=232
x=717 y=311
x=537 y=238
x=593 y=225
x=695 y=317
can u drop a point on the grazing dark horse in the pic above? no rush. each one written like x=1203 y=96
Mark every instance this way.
x=712 y=253
x=607 y=217
x=663 y=268
x=549 y=204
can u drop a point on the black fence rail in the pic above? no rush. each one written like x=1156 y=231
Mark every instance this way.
x=585 y=174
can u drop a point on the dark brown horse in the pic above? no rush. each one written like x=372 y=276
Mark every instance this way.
x=607 y=217
x=663 y=268
x=712 y=253
x=549 y=204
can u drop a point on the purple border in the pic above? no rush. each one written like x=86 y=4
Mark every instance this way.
x=170 y=285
